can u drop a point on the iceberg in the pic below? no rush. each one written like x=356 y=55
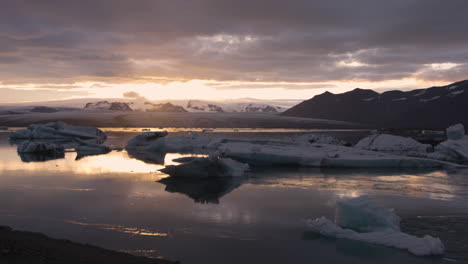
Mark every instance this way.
x=147 y=147
x=30 y=151
x=455 y=148
x=213 y=166
x=58 y=130
x=392 y=144
x=278 y=153
x=86 y=148
x=39 y=147
x=320 y=155
x=455 y=132
x=152 y=142
x=366 y=221
x=363 y=215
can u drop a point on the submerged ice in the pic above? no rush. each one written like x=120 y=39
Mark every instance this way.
x=363 y=220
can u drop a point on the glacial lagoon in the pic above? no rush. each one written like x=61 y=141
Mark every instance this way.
x=122 y=203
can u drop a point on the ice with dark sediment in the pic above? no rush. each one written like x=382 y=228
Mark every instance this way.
x=39 y=147
x=147 y=147
x=32 y=151
x=86 y=148
x=362 y=219
x=207 y=167
x=58 y=130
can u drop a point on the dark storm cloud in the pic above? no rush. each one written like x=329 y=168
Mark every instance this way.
x=256 y=40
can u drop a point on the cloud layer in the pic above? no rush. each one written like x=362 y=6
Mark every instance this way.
x=121 y=41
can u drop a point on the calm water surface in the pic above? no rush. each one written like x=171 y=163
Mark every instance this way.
x=121 y=203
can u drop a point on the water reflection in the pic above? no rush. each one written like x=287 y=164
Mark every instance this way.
x=208 y=190
x=147 y=156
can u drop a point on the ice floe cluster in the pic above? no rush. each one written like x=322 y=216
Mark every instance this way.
x=57 y=130
x=375 y=151
x=41 y=142
x=362 y=219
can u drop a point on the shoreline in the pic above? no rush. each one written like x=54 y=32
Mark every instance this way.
x=23 y=247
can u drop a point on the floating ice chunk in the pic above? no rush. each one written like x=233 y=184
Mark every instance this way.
x=57 y=130
x=456 y=132
x=207 y=167
x=277 y=153
x=420 y=246
x=39 y=147
x=452 y=150
x=148 y=147
x=392 y=144
x=158 y=142
x=88 y=149
x=363 y=215
x=319 y=155
x=374 y=224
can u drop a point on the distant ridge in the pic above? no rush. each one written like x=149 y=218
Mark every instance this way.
x=431 y=108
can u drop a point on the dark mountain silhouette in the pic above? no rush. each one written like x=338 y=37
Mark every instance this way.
x=431 y=108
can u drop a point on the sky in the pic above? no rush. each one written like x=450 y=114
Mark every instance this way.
x=217 y=49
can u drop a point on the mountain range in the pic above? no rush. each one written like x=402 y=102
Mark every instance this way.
x=189 y=106
x=431 y=108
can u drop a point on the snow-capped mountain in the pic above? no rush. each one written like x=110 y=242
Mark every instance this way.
x=435 y=107
x=185 y=106
x=166 y=107
x=244 y=107
x=106 y=105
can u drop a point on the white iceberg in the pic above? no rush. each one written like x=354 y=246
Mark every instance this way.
x=277 y=153
x=58 y=130
x=212 y=166
x=39 y=147
x=455 y=148
x=320 y=155
x=373 y=224
x=456 y=132
x=393 y=144
x=452 y=150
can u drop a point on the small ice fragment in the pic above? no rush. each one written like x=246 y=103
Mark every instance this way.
x=374 y=224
